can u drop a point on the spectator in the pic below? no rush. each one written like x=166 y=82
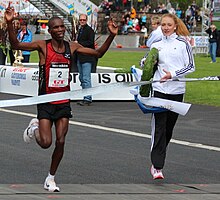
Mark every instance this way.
x=16 y=26
x=3 y=46
x=25 y=35
x=159 y=8
x=178 y=12
x=37 y=26
x=127 y=25
x=139 y=3
x=169 y=5
x=135 y=22
x=156 y=34
x=143 y=36
x=105 y=6
x=124 y=4
x=85 y=63
x=133 y=13
x=188 y=13
x=147 y=9
x=164 y=9
x=143 y=19
x=136 y=27
x=129 y=5
x=118 y=4
x=189 y=18
x=213 y=38
x=146 y=2
x=172 y=11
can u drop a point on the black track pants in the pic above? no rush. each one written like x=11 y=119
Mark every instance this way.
x=162 y=130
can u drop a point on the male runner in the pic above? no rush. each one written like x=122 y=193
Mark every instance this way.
x=54 y=69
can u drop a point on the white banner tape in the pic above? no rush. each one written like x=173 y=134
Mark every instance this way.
x=175 y=106
x=24 y=81
x=64 y=95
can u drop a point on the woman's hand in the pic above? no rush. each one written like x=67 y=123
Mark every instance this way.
x=166 y=76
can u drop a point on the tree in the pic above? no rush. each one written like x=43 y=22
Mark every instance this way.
x=183 y=4
x=96 y=2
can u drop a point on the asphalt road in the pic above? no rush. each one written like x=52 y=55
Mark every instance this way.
x=107 y=155
x=103 y=147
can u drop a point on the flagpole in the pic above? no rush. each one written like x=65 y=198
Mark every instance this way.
x=74 y=31
x=92 y=17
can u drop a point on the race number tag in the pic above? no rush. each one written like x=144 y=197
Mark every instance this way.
x=58 y=75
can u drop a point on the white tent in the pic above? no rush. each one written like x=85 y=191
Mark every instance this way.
x=21 y=6
x=31 y=10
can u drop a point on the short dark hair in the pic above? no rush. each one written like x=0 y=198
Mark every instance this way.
x=51 y=21
x=24 y=22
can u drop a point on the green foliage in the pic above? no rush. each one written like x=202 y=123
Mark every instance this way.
x=148 y=71
x=96 y=2
x=183 y=4
x=3 y=47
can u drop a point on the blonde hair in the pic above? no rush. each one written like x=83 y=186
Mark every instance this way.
x=213 y=26
x=155 y=20
x=181 y=28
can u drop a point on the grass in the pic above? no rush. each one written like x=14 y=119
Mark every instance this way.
x=202 y=92
x=217 y=24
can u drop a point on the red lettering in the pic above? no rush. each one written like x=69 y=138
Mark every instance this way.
x=58 y=82
x=20 y=69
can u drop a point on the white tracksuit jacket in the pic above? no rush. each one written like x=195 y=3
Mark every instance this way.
x=175 y=56
x=154 y=36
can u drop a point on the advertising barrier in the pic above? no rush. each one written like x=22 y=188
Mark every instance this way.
x=200 y=44
x=24 y=81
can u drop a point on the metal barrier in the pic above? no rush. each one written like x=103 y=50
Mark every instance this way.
x=125 y=41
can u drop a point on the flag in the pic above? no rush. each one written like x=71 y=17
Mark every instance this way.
x=71 y=8
x=89 y=10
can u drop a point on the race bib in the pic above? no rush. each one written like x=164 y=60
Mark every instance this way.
x=58 y=75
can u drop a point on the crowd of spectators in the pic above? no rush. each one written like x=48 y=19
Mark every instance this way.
x=135 y=18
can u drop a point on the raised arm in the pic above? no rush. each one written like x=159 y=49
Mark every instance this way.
x=15 y=44
x=113 y=29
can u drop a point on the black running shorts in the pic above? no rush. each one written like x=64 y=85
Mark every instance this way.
x=54 y=112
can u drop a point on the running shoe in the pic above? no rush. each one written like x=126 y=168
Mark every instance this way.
x=156 y=173
x=84 y=103
x=28 y=133
x=50 y=185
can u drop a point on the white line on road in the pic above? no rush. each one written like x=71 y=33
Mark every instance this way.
x=121 y=131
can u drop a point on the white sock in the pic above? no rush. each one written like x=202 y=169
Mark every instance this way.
x=33 y=128
x=50 y=176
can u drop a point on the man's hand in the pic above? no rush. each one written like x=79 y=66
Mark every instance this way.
x=9 y=13
x=112 y=27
